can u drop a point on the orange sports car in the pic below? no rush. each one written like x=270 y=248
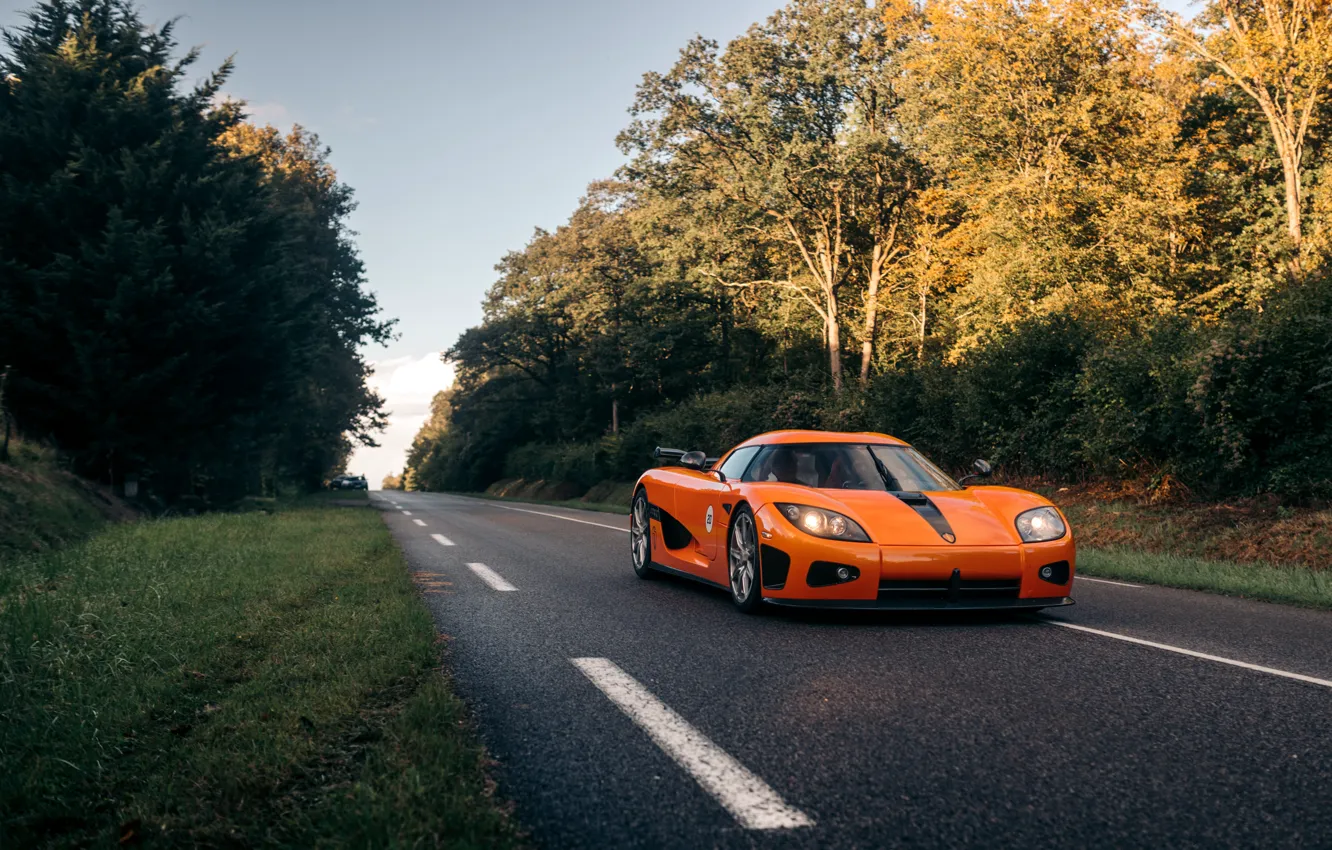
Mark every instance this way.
x=841 y=520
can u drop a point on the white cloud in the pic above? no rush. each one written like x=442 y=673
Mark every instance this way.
x=259 y=113
x=407 y=384
x=268 y=113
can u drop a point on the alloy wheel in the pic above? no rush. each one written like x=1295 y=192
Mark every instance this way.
x=743 y=557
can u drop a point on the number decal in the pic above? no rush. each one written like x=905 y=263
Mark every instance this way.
x=709 y=519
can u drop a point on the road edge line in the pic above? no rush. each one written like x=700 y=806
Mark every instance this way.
x=1299 y=677
x=558 y=516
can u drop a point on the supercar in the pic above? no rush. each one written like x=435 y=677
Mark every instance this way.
x=848 y=520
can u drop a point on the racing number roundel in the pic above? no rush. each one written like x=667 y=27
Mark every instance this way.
x=709 y=519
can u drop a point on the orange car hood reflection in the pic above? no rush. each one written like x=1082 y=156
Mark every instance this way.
x=891 y=522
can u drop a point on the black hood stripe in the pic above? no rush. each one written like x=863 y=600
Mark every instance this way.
x=921 y=504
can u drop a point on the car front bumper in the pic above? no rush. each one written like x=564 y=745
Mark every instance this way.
x=910 y=578
x=889 y=604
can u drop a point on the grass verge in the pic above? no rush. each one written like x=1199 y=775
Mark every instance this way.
x=241 y=680
x=1291 y=584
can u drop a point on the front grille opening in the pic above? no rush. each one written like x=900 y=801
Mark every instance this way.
x=943 y=590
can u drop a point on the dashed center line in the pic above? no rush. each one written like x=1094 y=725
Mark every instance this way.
x=419 y=522
x=1106 y=581
x=442 y=540
x=1300 y=677
x=749 y=799
x=565 y=518
x=490 y=577
x=406 y=513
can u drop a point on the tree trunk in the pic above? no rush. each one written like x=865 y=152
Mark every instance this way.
x=4 y=416
x=1289 y=148
x=834 y=342
x=615 y=416
x=920 y=340
x=1292 y=172
x=871 y=313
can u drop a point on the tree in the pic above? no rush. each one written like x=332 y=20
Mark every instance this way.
x=1054 y=144
x=789 y=136
x=172 y=309
x=1279 y=54
x=329 y=404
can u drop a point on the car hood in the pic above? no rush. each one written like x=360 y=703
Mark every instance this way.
x=975 y=517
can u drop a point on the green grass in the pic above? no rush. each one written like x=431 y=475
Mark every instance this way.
x=1297 y=585
x=256 y=679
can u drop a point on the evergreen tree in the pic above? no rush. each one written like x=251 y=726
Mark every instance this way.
x=171 y=310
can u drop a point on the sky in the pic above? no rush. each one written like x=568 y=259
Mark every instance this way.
x=461 y=126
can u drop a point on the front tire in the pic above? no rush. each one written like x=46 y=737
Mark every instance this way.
x=742 y=561
x=640 y=536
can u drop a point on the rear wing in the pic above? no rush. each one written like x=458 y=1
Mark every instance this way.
x=674 y=455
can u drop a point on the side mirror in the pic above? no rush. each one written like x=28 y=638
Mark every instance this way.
x=721 y=476
x=694 y=460
x=982 y=470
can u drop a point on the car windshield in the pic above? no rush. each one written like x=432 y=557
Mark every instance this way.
x=849 y=466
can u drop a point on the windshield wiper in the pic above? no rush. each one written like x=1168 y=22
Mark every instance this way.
x=888 y=480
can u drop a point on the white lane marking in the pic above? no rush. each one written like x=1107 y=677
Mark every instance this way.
x=442 y=540
x=1192 y=654
x=1105 y=581
x=406 y=513
x=490 y=577
x=419 y=522
x=747 y=797
x=567 y=518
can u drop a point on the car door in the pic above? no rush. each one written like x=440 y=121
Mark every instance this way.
x=698 y=507
x=710 y=498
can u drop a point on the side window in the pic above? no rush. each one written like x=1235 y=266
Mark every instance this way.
x=758 y=470
x=738 y=462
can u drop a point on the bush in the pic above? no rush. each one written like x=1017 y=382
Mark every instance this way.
x=1264 y=397
x=1014 y=400
x=581 y=464
x=1132 y=398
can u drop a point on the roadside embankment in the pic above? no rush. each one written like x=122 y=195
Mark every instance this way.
x=608 y=496
x=43 y=506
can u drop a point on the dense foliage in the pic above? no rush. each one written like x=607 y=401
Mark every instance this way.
x=1079 y=237
x=180 y=300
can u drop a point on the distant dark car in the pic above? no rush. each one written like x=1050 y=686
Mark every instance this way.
x=349 y=482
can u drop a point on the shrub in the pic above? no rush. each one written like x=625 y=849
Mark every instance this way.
x=1133 y=413
x=1264 y=396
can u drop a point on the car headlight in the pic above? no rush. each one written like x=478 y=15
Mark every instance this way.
x=821 y=523
x=1039 y=525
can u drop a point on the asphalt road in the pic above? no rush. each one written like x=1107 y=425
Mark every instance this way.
x=651 y=713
